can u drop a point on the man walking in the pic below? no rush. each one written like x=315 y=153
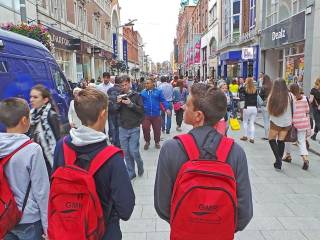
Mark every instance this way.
x=131 y=116
x=152 y=97
x=167 y=91
x=113 y=114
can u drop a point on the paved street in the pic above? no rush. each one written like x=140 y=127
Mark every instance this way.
x=286 y=203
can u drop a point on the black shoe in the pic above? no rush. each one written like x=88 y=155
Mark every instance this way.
x=167 y=132
x=314 y=137
x=140 y=171
x=277 y=165
x=305 y=165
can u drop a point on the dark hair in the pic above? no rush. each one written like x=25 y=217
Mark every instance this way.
x=163 y=79
x=12 y=110
x=211 y=102
x=295 y=90
x=175 y=78
x=180 y=83
x=125 y=78
x=88 y=105
x=266 y=84
x=92 y=80
x=278 y=99
x=117 y=80
x=106 y=74
x=142 y=79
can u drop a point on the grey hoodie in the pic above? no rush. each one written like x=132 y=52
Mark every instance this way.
x=27 y=164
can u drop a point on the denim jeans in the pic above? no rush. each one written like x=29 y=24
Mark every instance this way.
x=130 y=143
x=166 y=120
x=114 y=120
x=27 y=231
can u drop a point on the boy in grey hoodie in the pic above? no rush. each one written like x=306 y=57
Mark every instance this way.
x=26 y=166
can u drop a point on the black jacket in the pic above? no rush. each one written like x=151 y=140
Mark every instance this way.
x=112 y=183
x=250 y=100
x=113 y=93
x=131 y=115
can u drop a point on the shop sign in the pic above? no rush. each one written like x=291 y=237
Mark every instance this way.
x=247 y=53
x=115 y=45
x=59 y=39
x=286 y=32
x=125 y=51
x=197 y=47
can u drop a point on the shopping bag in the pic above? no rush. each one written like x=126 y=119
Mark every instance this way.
x=177 y=106
x=234 y=124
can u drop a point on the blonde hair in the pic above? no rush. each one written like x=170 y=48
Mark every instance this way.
x=250 y=87
x=317 y=83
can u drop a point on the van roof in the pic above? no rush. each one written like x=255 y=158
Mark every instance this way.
x=11 y=36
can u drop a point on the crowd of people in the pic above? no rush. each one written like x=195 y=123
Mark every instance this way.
x=115 y=111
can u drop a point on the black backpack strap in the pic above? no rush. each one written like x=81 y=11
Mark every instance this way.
x=26 y=196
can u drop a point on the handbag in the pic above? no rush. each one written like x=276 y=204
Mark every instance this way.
x=292 y=134
x=176 y=106
x=234 y=124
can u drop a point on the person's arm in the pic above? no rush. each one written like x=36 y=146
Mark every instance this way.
x=55 y=124
x=164 y=102
x=122 y=192
x=137 y=104
x=244 y=194
x=71 y=109
x=40 y=184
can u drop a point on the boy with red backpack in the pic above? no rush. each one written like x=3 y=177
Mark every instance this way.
x=202 y=184
x=90 y=189
x=24 y=181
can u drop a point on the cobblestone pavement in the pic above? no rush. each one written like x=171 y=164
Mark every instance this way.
x=286 y=203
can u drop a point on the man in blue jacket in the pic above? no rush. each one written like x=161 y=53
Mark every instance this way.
x=152 y=97
x=112 y=180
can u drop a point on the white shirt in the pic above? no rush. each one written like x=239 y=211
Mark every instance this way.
x=105 y=87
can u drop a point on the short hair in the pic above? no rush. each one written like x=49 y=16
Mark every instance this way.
x=125 y=78
x=88 y=105
x=142 y=79
x=12 y=110
x=106 y=74
x=163 y=79
x=211 y=102
x=176 y=78
x=117 y=80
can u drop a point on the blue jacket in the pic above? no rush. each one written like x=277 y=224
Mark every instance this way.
x=112 y=182
x=151 y=102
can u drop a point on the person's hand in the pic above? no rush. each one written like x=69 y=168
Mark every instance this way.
x=45 y=237
x=183 y=107
x=127 y=101
x=168 y=112
x=119 y=99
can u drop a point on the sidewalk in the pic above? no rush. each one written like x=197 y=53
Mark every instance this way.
x=314 y=145
x=286 y=203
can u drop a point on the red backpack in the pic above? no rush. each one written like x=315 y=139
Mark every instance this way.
x=204 y=201
x=75 y=211
x=10 y=215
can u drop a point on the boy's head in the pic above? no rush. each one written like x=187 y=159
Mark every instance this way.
x=15 y=113
x=204 y=106
x=91 y=107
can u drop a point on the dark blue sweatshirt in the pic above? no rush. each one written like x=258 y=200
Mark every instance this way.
x=112 y=183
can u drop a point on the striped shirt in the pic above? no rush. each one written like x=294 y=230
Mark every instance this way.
x=300 y=116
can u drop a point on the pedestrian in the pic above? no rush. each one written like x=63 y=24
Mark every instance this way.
x=315 y=106
x=112 y=183
x=23 y=164
x=167 y=91
x=74 y=121
x=152 y=97
x=180 y=94
x=234 y=88
x=141 y=85
x=131 y=116
x=250 y=110
x=45 y=124
x=230 y=107
x=264 y=94
x=204 y=108
x=113 y=113
x=280 y=112
x=241 y=96
x=301 y=122
x=175 y=81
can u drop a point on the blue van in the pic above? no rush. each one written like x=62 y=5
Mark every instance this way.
x=25 y=62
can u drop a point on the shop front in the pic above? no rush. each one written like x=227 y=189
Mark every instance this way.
x=239 y=63
x=283 y=49
x=62 y=52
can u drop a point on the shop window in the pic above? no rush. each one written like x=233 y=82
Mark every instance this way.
x=236 y=25
x=272 y=12
x=60 y=81
x=236 y=6
x=252 y=15
x=3 y=67
x=284 y=9
x=280 y=55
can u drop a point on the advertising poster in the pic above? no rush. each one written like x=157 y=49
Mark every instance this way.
x=197 y=48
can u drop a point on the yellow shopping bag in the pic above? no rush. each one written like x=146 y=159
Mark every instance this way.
x=234 y=124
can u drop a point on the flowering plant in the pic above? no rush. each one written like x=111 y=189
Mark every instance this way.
x=36 y=32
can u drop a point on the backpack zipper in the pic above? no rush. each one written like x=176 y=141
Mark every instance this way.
x=210 y=173
x=207 y=188
x=6 y=208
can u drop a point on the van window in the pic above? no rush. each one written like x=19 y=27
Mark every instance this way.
x=3 y=67
x=60 y=81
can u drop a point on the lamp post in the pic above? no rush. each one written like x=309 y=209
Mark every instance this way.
x=147 y=64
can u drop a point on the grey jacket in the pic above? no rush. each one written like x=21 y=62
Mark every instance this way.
x=27 y=164
x=172 y=157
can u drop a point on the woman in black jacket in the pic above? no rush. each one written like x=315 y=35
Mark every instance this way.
x=45 y=125
x=264 y=94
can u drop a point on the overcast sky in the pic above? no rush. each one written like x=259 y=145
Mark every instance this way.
x=157 y=22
